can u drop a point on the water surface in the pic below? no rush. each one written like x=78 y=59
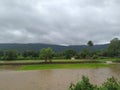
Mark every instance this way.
x=56 y=79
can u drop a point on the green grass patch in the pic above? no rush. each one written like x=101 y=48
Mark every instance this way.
x=63 y=66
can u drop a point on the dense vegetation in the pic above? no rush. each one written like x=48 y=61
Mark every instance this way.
x=113 y=50
x=84 y=84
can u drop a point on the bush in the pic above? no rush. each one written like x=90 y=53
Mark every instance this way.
x=111 y=84
x=84 y=84
x=94 y=57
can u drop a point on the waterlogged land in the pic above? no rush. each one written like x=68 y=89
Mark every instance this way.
x=53 y=76
x=54 y=79
x=55 y=64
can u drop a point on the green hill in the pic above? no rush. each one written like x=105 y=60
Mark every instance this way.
x=57 y=48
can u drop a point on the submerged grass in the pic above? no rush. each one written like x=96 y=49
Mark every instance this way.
x=64 y=66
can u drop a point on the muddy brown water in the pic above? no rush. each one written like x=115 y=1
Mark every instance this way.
x=55 y=79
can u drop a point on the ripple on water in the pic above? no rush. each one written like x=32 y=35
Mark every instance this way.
x=55 y=79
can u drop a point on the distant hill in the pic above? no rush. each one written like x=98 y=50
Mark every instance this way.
x=57 y=48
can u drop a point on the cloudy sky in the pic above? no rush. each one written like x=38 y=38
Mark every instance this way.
x=67 y=22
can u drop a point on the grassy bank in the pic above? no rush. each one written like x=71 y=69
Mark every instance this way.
x=64 y=60
x=58 y=64
x=64 y=66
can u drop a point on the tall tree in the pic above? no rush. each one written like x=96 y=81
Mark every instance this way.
x=69 y=53
x=84 y=53
x=46 y=54
x=114 y=47
x=10 y=55
x=90 y=43
x=30 y=53
x=1 y=54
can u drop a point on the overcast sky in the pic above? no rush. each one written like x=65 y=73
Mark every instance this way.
x=65 y=22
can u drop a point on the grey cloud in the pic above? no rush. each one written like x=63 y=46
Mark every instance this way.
x=59 y=21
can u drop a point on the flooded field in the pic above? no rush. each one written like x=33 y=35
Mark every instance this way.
x=56 y=79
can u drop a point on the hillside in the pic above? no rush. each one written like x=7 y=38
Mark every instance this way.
x=57 y=48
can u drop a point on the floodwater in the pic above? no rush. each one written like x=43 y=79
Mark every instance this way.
x=56 y=79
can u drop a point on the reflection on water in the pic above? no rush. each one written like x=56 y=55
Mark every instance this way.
x=53 y=79
x=9 y=67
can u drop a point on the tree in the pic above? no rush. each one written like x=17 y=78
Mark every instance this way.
x=69 y=53
x=114 y=47
x=30 y=53
x=90 y=43
x=10 y=55
x=58 y=55
x=46 y=54
x=1 y=54
x=84 y=53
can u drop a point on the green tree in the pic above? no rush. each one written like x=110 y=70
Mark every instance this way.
x=114 y=47
x=46 y=54
x=10 y=55
x=58 y=55
x=1 y=54
x=69 y=53
x=30 y=53
x=90 y=43
x=84 y=53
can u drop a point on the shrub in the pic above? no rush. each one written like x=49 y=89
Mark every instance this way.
x=111 y=84
x=94 y=57
x=84 y=84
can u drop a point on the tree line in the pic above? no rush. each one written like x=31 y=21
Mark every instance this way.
x=113 y=50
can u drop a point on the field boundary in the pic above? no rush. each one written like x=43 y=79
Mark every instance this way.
x=39 y=63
